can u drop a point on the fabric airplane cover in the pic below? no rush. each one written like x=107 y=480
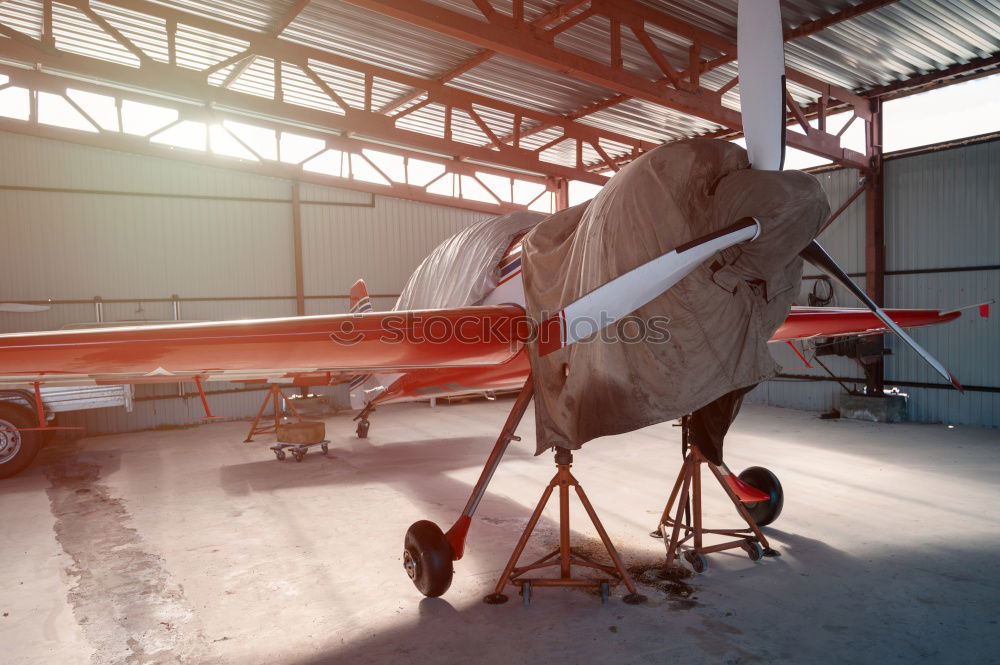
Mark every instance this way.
x=717 y=320
x=462 y=269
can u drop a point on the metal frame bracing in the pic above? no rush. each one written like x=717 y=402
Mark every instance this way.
x=306 y=89
x=679 y=86
x=354 y=153
x=143 y=50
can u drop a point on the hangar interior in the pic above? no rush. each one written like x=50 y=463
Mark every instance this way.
x=185 y=160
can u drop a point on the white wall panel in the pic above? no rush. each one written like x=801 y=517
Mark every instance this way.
x=942 y=215
x=195 y=231
x=381 y=245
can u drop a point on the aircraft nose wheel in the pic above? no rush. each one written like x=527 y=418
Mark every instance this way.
x=363 y=428
x=427 y=558
x=764 y=512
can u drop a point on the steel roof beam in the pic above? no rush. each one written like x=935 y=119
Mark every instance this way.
x=186 y=111
x=186 y=83
x=812 y=27
x=517 y=39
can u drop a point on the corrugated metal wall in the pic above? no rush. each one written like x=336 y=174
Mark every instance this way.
x=942 y=218
x=201 y=232
x=942 y=212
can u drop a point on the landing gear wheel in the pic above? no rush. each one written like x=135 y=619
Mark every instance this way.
x=17 y=449
x=427 y=558
x=697 y=560
x=605 y=592
x=752 y=548
x=526 y=593
x=495 y=599
x=363 y=429
x=764 y=512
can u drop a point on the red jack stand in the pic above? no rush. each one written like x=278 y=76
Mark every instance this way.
x=276 y=396
x=564 y=556
x=687 y=493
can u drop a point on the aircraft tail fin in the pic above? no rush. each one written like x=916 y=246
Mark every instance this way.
x=360 y=302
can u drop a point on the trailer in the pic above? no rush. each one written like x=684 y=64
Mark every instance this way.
x=21 y=431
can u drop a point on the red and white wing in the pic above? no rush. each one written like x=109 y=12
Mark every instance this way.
x=314 y=346
x=807 y=322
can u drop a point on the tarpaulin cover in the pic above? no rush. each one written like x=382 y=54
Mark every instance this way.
x=462 y=270
x=720 y=316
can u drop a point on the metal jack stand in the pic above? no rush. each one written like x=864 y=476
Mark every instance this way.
x=564 y=556
x=363 y=422
x=687 y=493
x=276 y=396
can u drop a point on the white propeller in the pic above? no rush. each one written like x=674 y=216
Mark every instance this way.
x=625 y=294
x=760 y=43
x=760 y=46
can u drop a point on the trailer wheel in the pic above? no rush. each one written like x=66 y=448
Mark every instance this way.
x=17 y=449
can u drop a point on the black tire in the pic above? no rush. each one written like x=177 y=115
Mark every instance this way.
x=698 y=561
x=363 y=429
x=17 y=449
x=753 y=550
x=427 y=558
x=764 y=512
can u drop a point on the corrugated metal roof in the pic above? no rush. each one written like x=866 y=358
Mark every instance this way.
x=894 y=42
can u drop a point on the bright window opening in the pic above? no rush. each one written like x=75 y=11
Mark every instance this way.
x=330 y=162
x=420 y=173
x=55 y=110
x=497 y=184
x=473 y=191
x=525 y=192
x=262 y=141
x=391 y=165
x=185 y=134
x=221 y=142
x=100 y=108
x=581 y=191
x=144 y=119
x=296 y=148
x=14 y=103
x=365 y=172
x=445 y=186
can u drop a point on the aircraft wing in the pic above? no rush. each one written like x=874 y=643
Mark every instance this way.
x=806 y=322
x=313 y=346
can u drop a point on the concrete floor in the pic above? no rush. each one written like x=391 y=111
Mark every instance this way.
x=188 y=546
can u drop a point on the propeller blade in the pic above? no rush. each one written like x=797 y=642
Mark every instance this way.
x=21 y=307
x=761 y=52
x=816 y=255
x=625 y=294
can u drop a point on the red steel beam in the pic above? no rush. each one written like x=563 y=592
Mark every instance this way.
x=289 y=16
x=504 y=35
x=812 y=27
x=551 y=17
x=954 y=74
x=180 y=82
x=875 y=233
x=804 y=30
x=40 y=81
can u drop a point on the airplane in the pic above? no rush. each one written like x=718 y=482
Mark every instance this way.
x=473 y=347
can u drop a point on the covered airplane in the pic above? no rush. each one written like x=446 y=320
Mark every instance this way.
x=475 y=317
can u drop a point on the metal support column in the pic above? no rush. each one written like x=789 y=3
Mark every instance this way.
x=875 y=232
x=300 y=295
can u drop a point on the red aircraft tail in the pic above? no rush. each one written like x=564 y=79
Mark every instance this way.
x=359 y=298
